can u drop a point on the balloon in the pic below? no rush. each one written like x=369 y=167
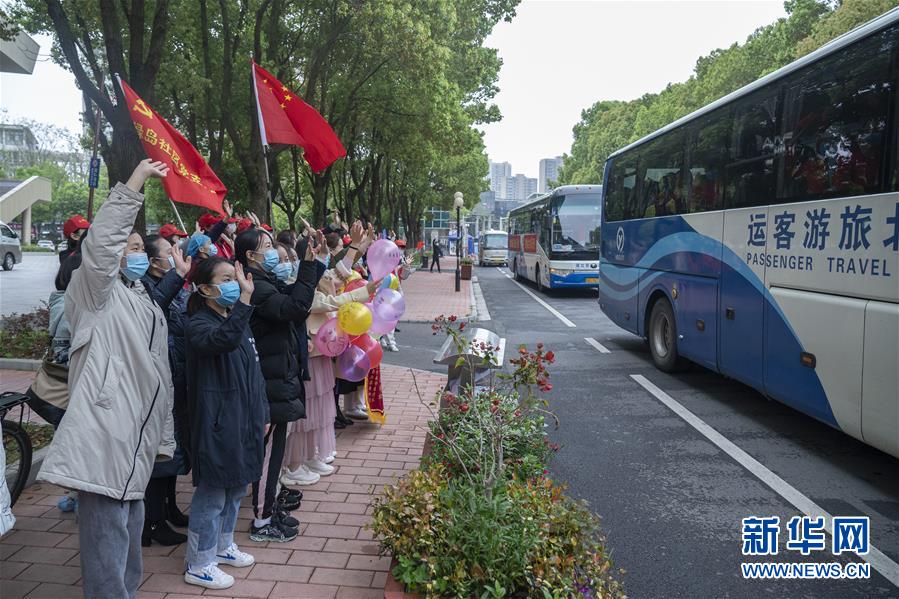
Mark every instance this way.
x=388 y=304
x=391 y=281
x=330 y=340
x=371 y=347
x=354 y=318
x=381 y=327
x=354 y=285
x=353 y=364
x=383 y=256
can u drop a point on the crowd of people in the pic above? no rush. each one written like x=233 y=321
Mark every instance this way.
x=181 y=353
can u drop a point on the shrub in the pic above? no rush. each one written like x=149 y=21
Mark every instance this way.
x=36 y=248
x=25 y=335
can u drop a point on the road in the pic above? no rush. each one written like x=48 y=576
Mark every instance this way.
x=23 y=288
x=671 y=501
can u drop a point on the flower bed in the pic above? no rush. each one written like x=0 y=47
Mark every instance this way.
x=25 y=335
x=480 y=518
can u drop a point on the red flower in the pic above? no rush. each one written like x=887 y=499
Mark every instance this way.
x=550 y=357
x=548 y=387
x=539 y=346
x=461 y=326
x=452 y=318
x=463 y=408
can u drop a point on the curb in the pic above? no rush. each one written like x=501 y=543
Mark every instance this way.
x=20 y=364
x=481 y=312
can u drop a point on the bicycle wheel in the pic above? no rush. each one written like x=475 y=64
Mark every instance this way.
x=17 y=447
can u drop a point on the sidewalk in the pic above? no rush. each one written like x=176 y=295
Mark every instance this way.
x=430 y=294
x=334 y=556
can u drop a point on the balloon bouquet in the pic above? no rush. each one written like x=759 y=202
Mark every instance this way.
x=352 y=336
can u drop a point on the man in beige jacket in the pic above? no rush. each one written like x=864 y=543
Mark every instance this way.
x=118 y=420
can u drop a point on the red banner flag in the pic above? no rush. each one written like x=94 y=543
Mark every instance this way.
x=190 y=181
x=286 y=119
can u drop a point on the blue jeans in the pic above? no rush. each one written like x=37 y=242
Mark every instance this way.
x=213 y=515
x=111 y=564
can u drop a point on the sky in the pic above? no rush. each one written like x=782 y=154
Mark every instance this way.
x=559 y=57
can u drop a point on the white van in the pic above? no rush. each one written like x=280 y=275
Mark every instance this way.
x=10 y=247
x=493 y=248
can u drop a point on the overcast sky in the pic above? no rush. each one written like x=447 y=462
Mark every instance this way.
x=560 y=56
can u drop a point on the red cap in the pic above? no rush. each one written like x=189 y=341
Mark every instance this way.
x=233 y=219
x=267 y=227
x=347 y=240
x=400 y=243
x=168 y=229
x=244 y=224
x=73 y=224
x=207 y=221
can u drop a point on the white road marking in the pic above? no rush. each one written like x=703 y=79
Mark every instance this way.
x=552 y=310
x=880 y=562
x=597 y=345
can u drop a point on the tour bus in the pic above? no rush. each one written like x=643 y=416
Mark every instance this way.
x=759 y=236
x=493 y=248
x=554 y=238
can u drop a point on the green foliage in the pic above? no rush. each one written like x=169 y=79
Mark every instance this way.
x=36 y=248
x=610 y=125
x=25 y=335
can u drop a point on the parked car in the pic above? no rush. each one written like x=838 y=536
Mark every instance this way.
x=63 y=246
x=10 y=247
x=46 y=243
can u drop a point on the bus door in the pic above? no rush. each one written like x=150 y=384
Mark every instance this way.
x=742 y=300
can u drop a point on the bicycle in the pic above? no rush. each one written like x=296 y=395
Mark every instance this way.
x=16 y=444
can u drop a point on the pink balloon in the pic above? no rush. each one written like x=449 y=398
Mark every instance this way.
x=381 y=327
x=371 y=347
x=330 y=340
x=353 y=364
x=388 y=305
x=383 y=256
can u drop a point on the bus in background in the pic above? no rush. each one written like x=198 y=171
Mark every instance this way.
x=759 y=236
x=554 y=238
x=493 y=248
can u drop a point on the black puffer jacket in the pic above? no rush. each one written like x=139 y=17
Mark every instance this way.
x=226 y=399
x=279 y=308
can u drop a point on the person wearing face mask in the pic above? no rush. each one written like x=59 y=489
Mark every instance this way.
x=74 y=230
x=165 y=282
x=119 y=418
x=228 y=415
x=171 y=233
x=279 y=309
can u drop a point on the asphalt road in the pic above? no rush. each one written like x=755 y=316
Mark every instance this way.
x=29 y=283
x=671 y=501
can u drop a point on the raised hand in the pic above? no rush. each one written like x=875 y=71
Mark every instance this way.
x=146 y=169
x=226 y=206
x=182 y=264
x=246 y=283
x=320 y=246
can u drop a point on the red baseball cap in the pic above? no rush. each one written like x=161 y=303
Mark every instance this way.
x=207 y=221
x=74 y=223
x=168 y=229
x=267 y=227
x=233 y=219
x=400 y=243
x=347 y=240
x=244 y=224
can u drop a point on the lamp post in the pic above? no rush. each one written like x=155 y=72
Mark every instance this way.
x=458 y=203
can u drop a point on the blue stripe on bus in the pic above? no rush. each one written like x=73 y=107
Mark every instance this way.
x=798 y=386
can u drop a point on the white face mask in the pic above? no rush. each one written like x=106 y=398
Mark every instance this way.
x=232 y=228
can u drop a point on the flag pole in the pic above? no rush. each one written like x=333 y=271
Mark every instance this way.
x=263 y=139
x=178 y=215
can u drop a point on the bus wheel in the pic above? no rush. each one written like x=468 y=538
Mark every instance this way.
x=540 y=287
x=515 y=270
x=663 y=338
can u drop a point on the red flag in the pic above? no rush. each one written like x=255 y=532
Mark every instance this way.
x=286 y=119
x=190 y=181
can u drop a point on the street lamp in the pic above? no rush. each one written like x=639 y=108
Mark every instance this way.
x=458 y=203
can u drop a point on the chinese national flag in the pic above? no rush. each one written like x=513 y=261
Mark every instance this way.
x=190 y=180
x=286 y=119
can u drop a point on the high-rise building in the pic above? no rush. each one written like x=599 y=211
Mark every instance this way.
x=549 y=172
x=520 y=187
x=499 y=172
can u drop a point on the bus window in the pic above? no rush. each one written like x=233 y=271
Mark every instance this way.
x=836 y=122
x=622 y=187
x=707 y=161
x=752 y=172
x=661 y=170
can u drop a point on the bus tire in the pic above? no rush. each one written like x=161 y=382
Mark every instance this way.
x=515 y=270
x=662 y=338
x=540 y=287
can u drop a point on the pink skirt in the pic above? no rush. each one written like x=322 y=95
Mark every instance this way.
x=316 y=431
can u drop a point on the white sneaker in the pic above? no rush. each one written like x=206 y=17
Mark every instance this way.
x=356 y=413
x=300 y=476
x=210 y=577
x=393 y=347
x=329 y=459
x=232 y=556
x=319 y=467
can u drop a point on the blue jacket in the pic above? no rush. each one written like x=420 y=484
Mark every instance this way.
x=226 y=398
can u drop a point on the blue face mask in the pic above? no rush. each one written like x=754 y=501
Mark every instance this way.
x=282 y=270
x=295 y=268
x=270 y=260
x=136 y=266
x=228 y=294
x=212 y=250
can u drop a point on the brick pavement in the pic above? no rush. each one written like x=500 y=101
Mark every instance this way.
x=430 y=294
x=334 y=556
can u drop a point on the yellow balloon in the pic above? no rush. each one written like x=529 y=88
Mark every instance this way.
x=394 y=282
x=354 y=318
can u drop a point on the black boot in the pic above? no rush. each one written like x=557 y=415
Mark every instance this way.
x=341 y=418
x=172 y=513
x=162 y=533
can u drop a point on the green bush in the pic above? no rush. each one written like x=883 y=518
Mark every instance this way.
x=36 y=248
x=25 y=335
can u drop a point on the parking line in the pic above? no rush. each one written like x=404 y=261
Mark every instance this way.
x=552 y=310
x=597 y=345
x=880 y=562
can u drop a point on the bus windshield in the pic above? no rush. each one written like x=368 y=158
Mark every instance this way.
x=576 y=223
x=496 y=241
